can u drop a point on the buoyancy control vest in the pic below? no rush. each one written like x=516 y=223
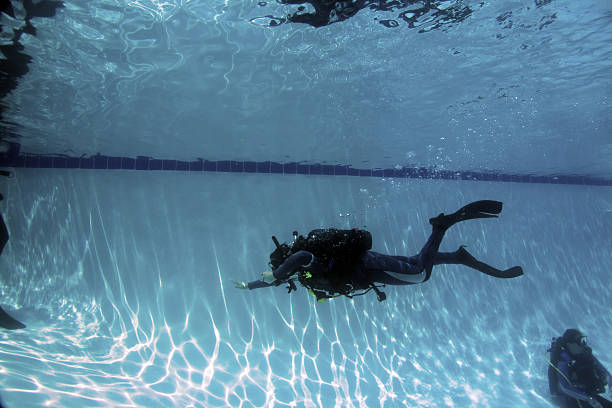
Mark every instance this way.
x=341 y=251
x=584 y=371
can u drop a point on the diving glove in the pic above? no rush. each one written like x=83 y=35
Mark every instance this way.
x=240 y=284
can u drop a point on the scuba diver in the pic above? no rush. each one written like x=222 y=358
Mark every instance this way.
x=575 y=376
x=332 y=262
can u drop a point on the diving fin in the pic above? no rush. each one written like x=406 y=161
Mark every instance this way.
x=477 y=209
x=465 y=258
x=7 y=322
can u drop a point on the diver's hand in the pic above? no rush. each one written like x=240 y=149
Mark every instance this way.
x=268 y=277
x=240 y=284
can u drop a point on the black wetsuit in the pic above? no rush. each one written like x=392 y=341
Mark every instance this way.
x=374 y=267
x=568 y=383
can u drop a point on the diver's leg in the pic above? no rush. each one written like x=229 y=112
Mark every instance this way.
x=425 y=258
x=463 y=257
x=401 y=270
x=374 y=260
x=407 y=265
x=420 y=265
x=392 y=270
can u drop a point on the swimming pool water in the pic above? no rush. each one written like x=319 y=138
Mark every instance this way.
x=124 y=280
x=123 y=277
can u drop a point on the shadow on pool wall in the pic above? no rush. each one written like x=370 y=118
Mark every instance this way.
x=131 y=301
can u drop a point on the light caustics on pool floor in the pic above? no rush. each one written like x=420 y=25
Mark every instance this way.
x=131 y=304
x=164 y=366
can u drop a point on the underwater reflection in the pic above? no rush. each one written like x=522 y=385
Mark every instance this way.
x=425 y=15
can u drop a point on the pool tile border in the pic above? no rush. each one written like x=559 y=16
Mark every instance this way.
x=13 y=158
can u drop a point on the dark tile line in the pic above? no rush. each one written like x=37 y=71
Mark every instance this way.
x=14 y=159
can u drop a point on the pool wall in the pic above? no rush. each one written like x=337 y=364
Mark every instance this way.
x=124 y=279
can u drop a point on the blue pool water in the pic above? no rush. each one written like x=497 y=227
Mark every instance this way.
x=124 y=280
x=124 y=277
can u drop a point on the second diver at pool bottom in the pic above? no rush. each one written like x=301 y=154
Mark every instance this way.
x=576 y=378
x=332 y=262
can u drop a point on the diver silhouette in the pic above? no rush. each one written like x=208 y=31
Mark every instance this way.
x=575 y=375
x=6 y=321
x=425 y=15
x=332 y=262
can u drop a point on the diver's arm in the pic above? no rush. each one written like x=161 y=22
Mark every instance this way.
x=250 y=285
x=258 y=284
x=602 y=368
x=565 y=387
x=294 y=263
x=291 y=265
